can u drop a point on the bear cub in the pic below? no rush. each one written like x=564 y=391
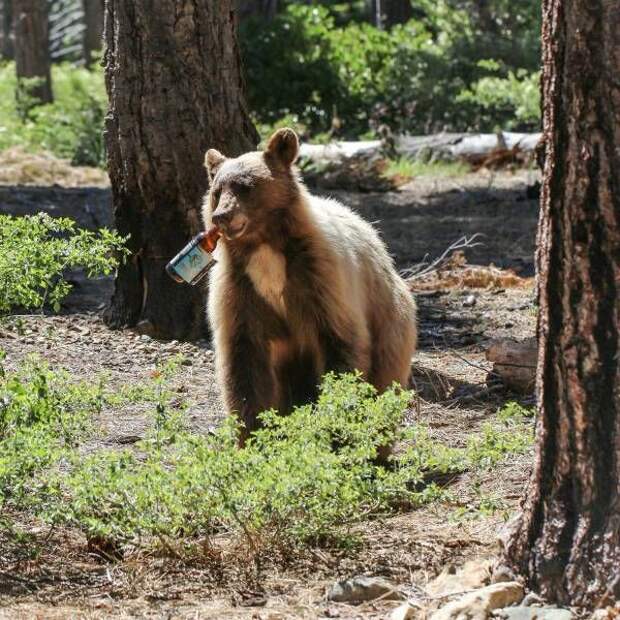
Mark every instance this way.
x=302 y=286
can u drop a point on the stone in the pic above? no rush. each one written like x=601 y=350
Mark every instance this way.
x=502 y=573
x=407 y=611
x=360 y=589
x=479 y=604
x=533 y=613
x=532 y=599
x=473 y=574
x=469 y=301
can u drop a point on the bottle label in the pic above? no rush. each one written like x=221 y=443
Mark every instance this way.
x=191 y=264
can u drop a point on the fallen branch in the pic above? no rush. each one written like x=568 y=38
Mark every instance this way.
x=424 y=268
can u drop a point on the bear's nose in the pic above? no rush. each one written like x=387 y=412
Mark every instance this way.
x=221 y=218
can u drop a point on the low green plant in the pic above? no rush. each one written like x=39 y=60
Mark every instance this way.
x=71 y=127
x=43 y=417
x=405 y=168
x=307 y=478
x=36 y=250
x=514 y=435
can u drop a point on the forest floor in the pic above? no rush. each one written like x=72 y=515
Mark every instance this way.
x=457 y=323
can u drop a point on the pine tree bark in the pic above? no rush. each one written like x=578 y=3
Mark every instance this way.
x=567 y=543
x=93 y=28
x=32 y=60
x=173 y=76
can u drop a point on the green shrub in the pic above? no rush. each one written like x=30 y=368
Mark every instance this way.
x=71 y=127
x=515 y=98
x=414 y=77
x=43 y=415
x=36 y=250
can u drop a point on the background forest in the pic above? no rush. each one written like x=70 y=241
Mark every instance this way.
x=332 y=69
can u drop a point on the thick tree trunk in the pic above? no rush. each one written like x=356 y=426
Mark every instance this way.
x=568 y=541
x=173 y=76
x=32 y=60
x=93 y=28
x=6 y=30
x=388 y=13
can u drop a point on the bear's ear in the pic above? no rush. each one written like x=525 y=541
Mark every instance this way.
x=213 y=161
x=283 y=146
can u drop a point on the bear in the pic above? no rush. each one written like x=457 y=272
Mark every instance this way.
x=302 y=286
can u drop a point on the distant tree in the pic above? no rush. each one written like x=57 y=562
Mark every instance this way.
x=266 y=9
x=93 y=28
x=388 y=13
x=567 y=542
x=6 y=30
x=32 y=60
x=173 y=76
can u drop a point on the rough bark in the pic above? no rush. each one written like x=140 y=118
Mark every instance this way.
x=6 y=30
x=93 y=28
x=173 y=77
x=32 y=61
x=567 y=543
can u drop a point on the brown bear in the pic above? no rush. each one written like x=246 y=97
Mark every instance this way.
x=302 y=286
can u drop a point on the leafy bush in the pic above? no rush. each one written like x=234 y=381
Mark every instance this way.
x=71 y=127
x=36 y=250
x=302 y=479
x=42 y=417
x=516 y=97
x=412 y=78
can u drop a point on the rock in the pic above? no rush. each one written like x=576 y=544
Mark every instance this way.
x=532 y=599
x=471 y=575
x=407 y=611
x=479 y=604
x=534 y=613
x=469 y=301
x=502 y=573
x=360 y=589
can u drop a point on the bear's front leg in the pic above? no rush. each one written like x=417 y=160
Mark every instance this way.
x=248 y=381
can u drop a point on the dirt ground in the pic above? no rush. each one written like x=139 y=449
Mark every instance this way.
x=456 y=325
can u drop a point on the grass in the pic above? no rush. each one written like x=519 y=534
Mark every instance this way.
x=403 y=169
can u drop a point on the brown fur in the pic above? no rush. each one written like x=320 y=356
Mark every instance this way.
x=302 y=286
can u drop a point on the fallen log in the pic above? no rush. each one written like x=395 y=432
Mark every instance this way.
x=443 y=146
x=514 y=363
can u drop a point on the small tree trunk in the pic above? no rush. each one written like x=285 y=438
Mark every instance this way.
x=173 y=77
x=388 y=13
x=568 y=541
x=32 y=61
x=6 y=30
x=93 y=28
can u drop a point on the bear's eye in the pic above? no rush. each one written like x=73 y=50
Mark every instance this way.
x=239 y=189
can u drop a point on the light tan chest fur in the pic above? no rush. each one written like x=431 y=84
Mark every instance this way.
x=267 y=270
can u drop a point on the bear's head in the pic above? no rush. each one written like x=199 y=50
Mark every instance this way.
x=249 y=193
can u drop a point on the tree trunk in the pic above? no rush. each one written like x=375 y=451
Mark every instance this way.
x=6 y=30
x=93 y=28
x=32 y=61
x=388 y=13
x=567 y=542
x=173 y=77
